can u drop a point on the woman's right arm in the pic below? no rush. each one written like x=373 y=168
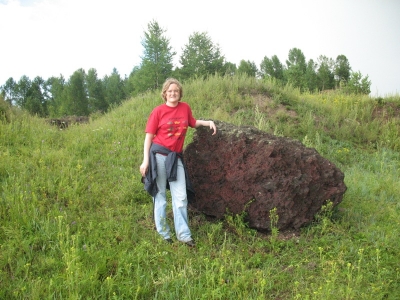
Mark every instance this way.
x=146 y=153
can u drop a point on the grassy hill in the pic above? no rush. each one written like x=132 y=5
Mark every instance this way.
x=75 y=222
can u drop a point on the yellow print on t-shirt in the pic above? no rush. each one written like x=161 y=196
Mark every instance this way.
x=176 y=128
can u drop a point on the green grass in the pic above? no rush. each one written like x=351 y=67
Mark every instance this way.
x=75 y=222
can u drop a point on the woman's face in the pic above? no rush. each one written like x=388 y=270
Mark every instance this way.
x=173 y=95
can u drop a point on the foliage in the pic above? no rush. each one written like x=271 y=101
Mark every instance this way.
x=247 y=67
x=230 y=69
x=9 y=90
x=358 y=84
x=114 y=87
x=96 y=92
x=82 y=94
x=156 y=65
x=272 y=67
x=5 y=110
x=296 y=68
x=77 y=99
x=200 y=57
x=342 y=68
x=75 y=222
x=325 y=73
x=35 y=100
x=22 y=91
x=87 y=94
x=57 y=91
x=311 y=76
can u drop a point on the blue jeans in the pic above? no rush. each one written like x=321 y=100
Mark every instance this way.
x=179 y=202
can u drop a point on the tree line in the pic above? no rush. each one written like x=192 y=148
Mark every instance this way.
x=85 y=93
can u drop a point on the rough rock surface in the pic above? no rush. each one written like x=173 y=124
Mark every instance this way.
x=245 y=169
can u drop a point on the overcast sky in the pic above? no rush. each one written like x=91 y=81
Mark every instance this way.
x=52 y=37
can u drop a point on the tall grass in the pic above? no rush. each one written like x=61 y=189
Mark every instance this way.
x=75 y=222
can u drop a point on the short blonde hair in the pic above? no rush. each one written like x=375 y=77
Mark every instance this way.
x=166 y=85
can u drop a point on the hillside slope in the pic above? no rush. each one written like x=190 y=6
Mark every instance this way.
x=76 y=223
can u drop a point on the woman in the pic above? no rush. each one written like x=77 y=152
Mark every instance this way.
x=163 y=162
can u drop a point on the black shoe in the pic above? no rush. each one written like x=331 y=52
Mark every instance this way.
x=169 y=241
x=191 y=243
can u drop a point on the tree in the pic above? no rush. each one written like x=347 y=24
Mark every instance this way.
x=272 y=67
x=247 y=67
x=5 y=109
x=132 y=84
x=342 y=68
x=358 y=84
x=201 y=57
x=296 y=68
x=76 y=97
x=35 y=101
x=56 y=95
x=96 y=95
x=114 y=88
x=311 y=76
x=9 y=91
x=325 y=73
x=230 y=68
x=22 y=89
x=156 y=65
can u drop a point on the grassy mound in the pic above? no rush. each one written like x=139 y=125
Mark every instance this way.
x=75 y=222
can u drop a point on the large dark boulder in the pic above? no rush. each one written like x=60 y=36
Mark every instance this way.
x=244 y=169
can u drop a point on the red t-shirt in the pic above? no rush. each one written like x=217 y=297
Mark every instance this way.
x=169 y=124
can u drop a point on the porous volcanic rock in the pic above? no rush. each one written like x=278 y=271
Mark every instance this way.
x=244 y=169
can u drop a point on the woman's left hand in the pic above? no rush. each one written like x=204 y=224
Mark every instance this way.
x=212 y=126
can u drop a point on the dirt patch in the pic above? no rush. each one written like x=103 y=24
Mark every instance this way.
x=268 y=106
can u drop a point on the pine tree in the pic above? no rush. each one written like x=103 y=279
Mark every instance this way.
x=156 y=65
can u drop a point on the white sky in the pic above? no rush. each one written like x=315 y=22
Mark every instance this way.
x=52 y=37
